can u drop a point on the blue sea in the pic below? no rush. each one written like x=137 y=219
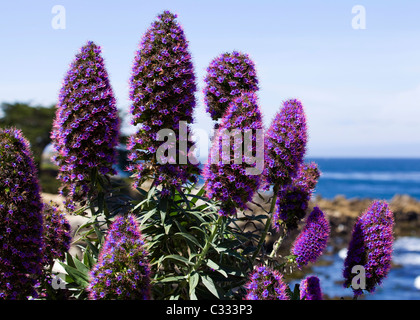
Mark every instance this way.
x=376 y=179
x=368 y=178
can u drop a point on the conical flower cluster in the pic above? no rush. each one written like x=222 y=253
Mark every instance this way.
x=122 y=271
x=86 y=127
x=292 y=201
x=21 y=225
x=266 y=284
x=371 y=246
x=228 y=75
x=285 y=144
x=162 y=91
x=312 y=240
x=226 y=176
x=310 y=289
x=57 y=235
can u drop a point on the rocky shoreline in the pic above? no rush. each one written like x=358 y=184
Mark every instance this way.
x=342 y=213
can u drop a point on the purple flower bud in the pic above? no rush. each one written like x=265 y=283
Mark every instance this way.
x=86 y=124
x=225 y=175
x=371 y=246
x=292 y=199
x=222 y=85
x=122 y=270
x=266 y=284
x=285 y=144
x=56 y=233
x=312 y=240
x=310 y=289
x=159 y=102
x=21 y=224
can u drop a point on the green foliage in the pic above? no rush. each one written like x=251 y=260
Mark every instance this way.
x=194 y=252
x=34 y=121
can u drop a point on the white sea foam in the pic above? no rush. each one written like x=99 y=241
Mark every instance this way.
x=342 y=253
x=407 y=251
x=413 y=176
x=407 y=244
x=417 y=283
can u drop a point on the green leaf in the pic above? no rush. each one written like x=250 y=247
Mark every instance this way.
x=211 y=264
x=99 y=233
x=91 y=246
x=189 y=237
x=88 y=259
x=171 y=279
x=193 y=281
x=178 y=258
x=82 y=279
x=145 y=217
x=81 y=266
x=69 y=260
x=209 y=284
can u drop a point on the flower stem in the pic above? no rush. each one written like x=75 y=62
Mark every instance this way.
x=276 y=246
x=267 y=223
x=208 y=243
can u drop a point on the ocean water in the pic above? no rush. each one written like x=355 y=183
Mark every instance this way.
x=368 y=178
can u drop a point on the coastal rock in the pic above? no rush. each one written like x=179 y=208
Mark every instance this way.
x=342 y=213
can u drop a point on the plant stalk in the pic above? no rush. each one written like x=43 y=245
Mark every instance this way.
x=267 y=223
x=208 y=244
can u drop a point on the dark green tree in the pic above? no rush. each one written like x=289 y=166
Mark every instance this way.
x=34 y=121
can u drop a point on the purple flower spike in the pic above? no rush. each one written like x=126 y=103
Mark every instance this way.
x=285 y=144
x=312 y=240
x=228 y=75
x=122 y=271
x=21 y=224
x=57 y=235
x=292 y=200
x=310 y=289
x=371 y=246
x=266 y=284
x=162 y=91
x=86 y=127
x=225 y=174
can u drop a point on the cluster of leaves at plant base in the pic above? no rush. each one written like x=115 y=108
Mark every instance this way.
x=194 y=252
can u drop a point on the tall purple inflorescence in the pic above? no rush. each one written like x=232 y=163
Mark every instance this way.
x=228 y=75
x=57 y=235
x=285 y=143
x=310 y=289
x=122 y=271
x=162 y=91
x=292 y=201
x=21 y=224
x=86 y=127
x=266 y=284
x=371 y=246
x=312 y=240
x=225 y=174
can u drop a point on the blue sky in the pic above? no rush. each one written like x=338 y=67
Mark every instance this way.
x=360 y=88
